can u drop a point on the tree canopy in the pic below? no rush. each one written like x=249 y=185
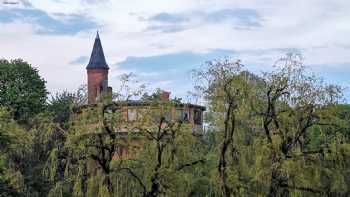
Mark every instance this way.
x=281 y=133
x=21 y=88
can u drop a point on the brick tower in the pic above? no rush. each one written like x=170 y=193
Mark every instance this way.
x=97 y=71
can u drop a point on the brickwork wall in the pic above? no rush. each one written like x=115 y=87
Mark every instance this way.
x=95 y=79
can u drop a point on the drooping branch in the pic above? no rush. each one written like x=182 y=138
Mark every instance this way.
x=137 y=178
x=181 y=167
x=305 y=189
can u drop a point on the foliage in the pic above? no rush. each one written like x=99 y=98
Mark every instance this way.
x=156 y=96
x=129 y=88
x=62 y=105
x=282 y=133
x=21 y=88
x=282 y=127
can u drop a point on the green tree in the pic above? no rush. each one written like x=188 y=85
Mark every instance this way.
x=11 y=180
x=62 y=105
x=281 y=134
x=225 y=86
x=156 y=96
x=154 y=155
x=6 y=189
x=21 y=88
x=292 y=104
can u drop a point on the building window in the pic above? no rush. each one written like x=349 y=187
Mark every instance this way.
x=179 y=114
x=132 y=115
x=197 y=117
x=182 y=115
x=167 y=116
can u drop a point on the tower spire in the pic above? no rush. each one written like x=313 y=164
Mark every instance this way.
x=97 y=58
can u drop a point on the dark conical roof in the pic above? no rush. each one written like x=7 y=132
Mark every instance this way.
x=97 y=59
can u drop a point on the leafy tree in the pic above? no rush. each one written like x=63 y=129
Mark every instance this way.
x=6 y=189
x=168 y=152
x=12 y=182
x=156 y=96
x=129 y=88
x=107 y=156
x=62 y=105
x=279 y=134
x=21 y=88
x=224 y=85
x=281 y=131
x=293 y=103
x=24 y=160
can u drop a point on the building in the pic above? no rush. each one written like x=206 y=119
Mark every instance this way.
x=131 y=113
x=97 y=72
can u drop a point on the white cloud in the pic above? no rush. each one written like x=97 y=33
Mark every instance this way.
x=317 y=27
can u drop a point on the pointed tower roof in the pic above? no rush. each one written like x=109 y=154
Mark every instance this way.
x=97 y=59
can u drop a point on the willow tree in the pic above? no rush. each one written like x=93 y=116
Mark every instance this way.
x=168 y=156
x=107 y=155
x=279 y=134
x=8 y=181
x=226 y=87
x=291 y=105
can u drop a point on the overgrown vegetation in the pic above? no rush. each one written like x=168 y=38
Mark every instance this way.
x=283 y=133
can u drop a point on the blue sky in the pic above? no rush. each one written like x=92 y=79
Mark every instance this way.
x=162 y=41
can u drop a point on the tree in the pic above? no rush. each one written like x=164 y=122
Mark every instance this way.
x=6 y=189
x=279 y=134
x=156 y=96
x=21 y=88
x=62 y=105
x=167 y=154
x=292 y=104
x=129 y=88
x=107 y=156
x=282 y=133
x=224 y=87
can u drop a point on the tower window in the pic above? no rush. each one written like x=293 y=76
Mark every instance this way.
x=132 y=115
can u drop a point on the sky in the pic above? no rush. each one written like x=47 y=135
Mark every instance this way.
x=161 y=41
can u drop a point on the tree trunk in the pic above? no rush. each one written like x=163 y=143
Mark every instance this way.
x=228 y=135
x=278 y=187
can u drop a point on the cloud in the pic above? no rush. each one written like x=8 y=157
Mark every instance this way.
x=168 y=71
x=94 y=1
x=58 y=23
x=242 y=18
x=82 y=60
x=175 y=68
x=168 y=18
x=170 y=28
x=162 y=40
x=180 y=61
x=239 y=18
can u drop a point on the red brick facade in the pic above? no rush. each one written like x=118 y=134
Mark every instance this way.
x=95 y=83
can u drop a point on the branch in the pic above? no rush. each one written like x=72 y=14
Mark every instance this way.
x=313 y=152
x=98 y=146
x=138 y=179
x=202 y=161
x=101 y=162
x=305 y=189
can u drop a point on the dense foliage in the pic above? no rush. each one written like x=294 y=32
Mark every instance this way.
x=21 y=88
x=279 y=134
